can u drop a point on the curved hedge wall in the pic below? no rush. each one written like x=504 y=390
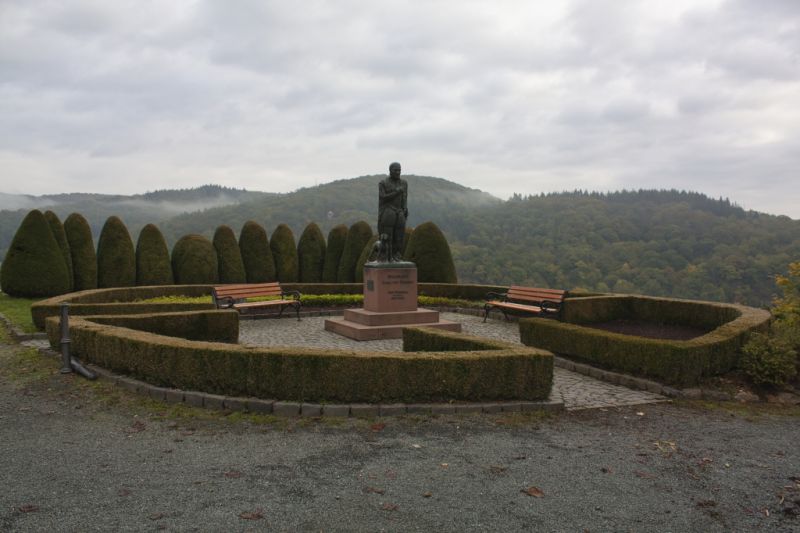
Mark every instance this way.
x=681 y=363
x=488 y=370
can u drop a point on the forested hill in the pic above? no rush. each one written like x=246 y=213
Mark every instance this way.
x=661 y=243
x=136 y=210
x=339 y=202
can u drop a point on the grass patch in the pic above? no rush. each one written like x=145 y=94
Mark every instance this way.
x=18 y=311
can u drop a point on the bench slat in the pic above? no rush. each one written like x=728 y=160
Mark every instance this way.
x=518 y=298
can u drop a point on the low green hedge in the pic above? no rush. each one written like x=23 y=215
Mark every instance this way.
x=680 y=363
x=490 y=371
x=215 y=325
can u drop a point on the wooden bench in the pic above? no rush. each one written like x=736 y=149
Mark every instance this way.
x=234 y=297
x=542 y=302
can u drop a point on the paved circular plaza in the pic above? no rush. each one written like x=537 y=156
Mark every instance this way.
x=578 y=391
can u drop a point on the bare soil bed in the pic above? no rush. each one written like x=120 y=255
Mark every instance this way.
x=650 y=330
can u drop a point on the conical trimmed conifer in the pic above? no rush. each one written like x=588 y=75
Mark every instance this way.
x=357 y=237
x=259 y=266
x=333 y=253
x=311 y=254
x=34 y=266
x=81 y=247
x=428 y=248
x=194 y=261
x=116 y=259
x=229 y=257
x=363 y=258
x=406 y=237
x=63 y=245
x=284 y=252
x=153 y=266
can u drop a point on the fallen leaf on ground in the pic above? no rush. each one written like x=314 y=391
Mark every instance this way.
x=28 y=508
x=644 y=475
x=416 y=446
x=640 y=413
x=136 y=427
x=123 y=492
x=258 y=514
x=389 y=507
x=445 y=465
x=497 y=469
x=706 y=503
x=606 y=470
x=233 y=474
x=156 y=516
x=374 y=490
x=426 y=494
x=377 y=427
x=534 y=492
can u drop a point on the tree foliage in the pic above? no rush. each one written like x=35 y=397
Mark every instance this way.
x=284 y=252
x=357 y=237
x=34 y=265
x=256 y=255
x=428 y=249
x=311 y=254
x=153 y=265
x=194 y=261
x=333 y=253
x=231 y=266
x=61 y=238
x=116 y=259
x=81 y=247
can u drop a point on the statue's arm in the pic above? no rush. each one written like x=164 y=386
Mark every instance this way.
x=384 y=195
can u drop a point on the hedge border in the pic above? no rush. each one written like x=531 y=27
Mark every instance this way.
x=679 y=363
x=489 y=371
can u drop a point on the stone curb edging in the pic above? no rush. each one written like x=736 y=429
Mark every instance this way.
x=633 y=382
x=294 y=409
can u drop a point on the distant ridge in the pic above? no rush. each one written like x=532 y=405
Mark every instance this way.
x=658 y=242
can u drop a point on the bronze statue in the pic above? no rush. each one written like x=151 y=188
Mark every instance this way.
x=392 y=214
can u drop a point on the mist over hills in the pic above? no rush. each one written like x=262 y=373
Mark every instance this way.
x=662 y=243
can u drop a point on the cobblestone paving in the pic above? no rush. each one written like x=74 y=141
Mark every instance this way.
x=577 y=390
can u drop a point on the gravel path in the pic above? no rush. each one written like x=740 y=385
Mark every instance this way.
x=576 y=390
x=76 y=456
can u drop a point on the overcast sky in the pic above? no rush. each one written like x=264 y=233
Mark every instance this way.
x=505 y=96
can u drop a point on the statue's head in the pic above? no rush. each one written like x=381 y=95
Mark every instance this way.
x=394 y=170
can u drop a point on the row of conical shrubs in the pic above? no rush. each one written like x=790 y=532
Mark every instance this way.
x=47 y=258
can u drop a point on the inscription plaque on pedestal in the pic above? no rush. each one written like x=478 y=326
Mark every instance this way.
x=389 y=290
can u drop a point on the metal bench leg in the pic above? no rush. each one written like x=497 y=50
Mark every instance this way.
x=297 y=311
x=485 y=312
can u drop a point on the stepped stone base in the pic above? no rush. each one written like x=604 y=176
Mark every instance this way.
x=363 y=325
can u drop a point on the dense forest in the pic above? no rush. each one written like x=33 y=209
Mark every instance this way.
x=661 y=243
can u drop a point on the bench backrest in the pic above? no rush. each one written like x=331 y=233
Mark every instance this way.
x=247 y=290
x=533 y=294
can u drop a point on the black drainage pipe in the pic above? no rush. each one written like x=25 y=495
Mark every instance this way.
x=68 y=363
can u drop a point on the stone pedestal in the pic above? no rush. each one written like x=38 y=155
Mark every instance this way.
x=390 y=304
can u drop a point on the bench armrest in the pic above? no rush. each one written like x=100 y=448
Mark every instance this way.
x=497 y=296
x=549 y=305
x=226 y=302
x=295 y=294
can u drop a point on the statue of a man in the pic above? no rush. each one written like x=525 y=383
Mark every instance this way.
x=392 y=213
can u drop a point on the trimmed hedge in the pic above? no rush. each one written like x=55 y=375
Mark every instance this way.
x=33 y=266
x=679 y=363
x=152 y=258
x=284 y=252
x=219 y=325
x=230 y=264
x=119 y=301
x=357 y=237
x=194 y=261
x=81 y=247
x=259 y=266
x=428 y=249
x=493 y=372
x=61 y=238
x=116 y=259
x=333 y=253
x=311 y=254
